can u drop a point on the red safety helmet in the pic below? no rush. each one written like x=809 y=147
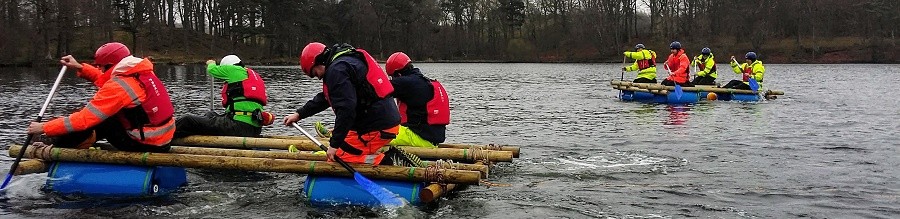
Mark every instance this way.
x=308 y=56
x=397 y=61
x=111 y=53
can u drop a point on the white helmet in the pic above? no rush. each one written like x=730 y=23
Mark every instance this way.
x=230 y=60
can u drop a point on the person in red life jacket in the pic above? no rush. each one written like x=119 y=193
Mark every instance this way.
x=677 y=64
x=131 y=108
x=752 y=68
x=644 y=62
x=358 y=90
x=423 y=102
x=243 y=96
x=706 y=68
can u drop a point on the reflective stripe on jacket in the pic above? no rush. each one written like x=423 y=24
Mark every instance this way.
x=647 y=56
x=117 y=92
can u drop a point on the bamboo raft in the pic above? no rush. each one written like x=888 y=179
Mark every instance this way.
x=49 y=153
x=468 y=155
x=224 y=152
x=651 y=92
x=513 y=149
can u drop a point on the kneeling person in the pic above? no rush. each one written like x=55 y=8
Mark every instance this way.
x=424 y=104
x=358 y=90
x=243 y=96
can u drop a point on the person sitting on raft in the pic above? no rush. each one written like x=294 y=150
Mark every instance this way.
x=678 y=65
x=706 y=68
x=243 y=96
x=644 y=62
x=752 y=68
x=131 y=108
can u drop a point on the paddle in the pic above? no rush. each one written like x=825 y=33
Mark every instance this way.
x=212 y=93
x=12 y=169
x=678 y=91
x=754 y=85
x=384 y=196
x=623 y=69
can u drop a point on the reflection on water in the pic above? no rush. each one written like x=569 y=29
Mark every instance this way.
x=822 y=150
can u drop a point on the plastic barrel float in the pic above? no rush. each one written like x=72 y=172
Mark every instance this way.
x=656 y=93
x=113 y=180
x=344 y=191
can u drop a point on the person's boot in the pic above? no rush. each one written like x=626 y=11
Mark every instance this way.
x=402 y=158
x=321 y=131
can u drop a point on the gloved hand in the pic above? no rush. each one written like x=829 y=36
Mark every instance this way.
x=623 y=69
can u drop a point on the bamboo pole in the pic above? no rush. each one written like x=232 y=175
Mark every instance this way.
x=483 y=169
x=652 y=86
x=306 y=145
x=49 y=153
x=31 y=166
x=434 y=191
x=660 y=92
x=514 y=149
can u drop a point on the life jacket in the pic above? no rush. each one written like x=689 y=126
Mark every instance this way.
x=702 y=65
x=155 y=111
x=377 y=86
x=747 y=70
x=647 y=63
x=251 y=89
x=437 y=109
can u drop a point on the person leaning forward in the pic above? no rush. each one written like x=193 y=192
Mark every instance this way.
x=243 y=96
x=131 y=109
x=357 y=89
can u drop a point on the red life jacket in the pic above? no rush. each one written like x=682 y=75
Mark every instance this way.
x=376 y=76
x=747 y=71
x=156 y=110
x=702 y=65
x=438 y=108
x=647 y=63
x=251 y=89
x=377 y=82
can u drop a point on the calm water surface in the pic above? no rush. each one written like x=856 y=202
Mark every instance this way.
x=826 y=149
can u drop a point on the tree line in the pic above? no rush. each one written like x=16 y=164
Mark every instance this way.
x=508 y=30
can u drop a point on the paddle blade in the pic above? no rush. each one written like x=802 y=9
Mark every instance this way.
x=754 y=85
x=678 y=92
x=6 y=181
x=387 y=198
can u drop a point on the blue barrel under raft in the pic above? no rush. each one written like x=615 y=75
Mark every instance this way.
x=113 y=180
x=670 y=98
x=326 y=191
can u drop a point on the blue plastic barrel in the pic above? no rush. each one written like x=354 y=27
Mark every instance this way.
x=338 y=191
x=113 y=180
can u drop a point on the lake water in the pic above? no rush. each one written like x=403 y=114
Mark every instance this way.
x=826 y=149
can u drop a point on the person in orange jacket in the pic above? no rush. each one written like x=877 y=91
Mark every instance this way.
x=131 y=108
x=678 y=65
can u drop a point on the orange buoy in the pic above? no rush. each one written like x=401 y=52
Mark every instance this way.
x=711 y=96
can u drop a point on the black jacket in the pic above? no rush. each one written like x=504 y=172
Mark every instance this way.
x=412 y=88
x=350 y=113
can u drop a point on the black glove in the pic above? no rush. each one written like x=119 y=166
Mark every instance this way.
x=623 y=69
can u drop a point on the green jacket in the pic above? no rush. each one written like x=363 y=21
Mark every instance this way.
x=756 y=68
x=643 y=55
x=231 y=74
x=708 y=63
